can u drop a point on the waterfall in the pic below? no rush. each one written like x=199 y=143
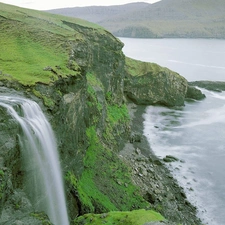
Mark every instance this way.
x=43 y=173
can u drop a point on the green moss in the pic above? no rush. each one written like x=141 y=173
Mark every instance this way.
x=46 y=100
x=117 y=114
x=87 y=181
x=82 y=195
x=137 y=217
x=91 y=198
x=93 y=98
x=109 y=97
x=105 y=184
x=93 y=80
x=138 y=68
x=1 y=173
x=41 y=217
x=93 y=85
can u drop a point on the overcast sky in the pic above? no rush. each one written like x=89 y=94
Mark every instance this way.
x=53 y=4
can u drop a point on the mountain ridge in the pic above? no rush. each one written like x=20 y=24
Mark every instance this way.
x=163 y=19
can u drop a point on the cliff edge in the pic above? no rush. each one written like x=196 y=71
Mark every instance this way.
x=80 y=77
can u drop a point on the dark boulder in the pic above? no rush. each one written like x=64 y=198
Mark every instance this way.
x=194 y=93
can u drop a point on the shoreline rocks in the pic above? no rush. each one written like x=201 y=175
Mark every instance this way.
x=156 y=183
x=217 y=86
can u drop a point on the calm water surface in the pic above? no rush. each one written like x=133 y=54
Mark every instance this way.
x=195 y=59
x=195 y=133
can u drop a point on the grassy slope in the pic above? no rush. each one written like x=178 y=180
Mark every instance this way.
x=32 y=41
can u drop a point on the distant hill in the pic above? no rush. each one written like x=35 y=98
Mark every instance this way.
x=167 y=18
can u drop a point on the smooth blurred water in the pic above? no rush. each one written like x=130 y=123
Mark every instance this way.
x=44 y=183
x=195 y=133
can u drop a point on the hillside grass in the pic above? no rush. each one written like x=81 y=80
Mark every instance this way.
x=136 y=217
x=138 y=68
x=35 y=45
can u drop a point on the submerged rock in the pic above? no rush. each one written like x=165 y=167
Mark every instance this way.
x=170 y=158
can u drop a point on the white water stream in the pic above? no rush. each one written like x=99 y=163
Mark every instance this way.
x=44 y=180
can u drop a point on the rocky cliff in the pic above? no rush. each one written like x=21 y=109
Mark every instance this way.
x=83 y=85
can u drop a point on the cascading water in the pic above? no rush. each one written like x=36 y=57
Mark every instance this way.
x=44 y=180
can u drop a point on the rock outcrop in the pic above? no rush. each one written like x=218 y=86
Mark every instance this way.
x=217 y=86
x=151 y=84
x=194 y=93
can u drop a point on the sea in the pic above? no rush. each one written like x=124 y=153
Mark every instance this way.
x=194 y=133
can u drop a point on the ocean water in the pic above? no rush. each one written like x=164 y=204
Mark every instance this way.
x=195 y=133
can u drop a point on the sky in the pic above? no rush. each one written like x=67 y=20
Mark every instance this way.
x=53 y=4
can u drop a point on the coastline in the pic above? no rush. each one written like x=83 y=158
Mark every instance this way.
x=150 y=173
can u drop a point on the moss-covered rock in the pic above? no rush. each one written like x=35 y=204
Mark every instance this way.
x=194 y=93
x=136 y=217
x=149 y=83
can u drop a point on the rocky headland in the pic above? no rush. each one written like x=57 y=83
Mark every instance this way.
x=93 y=97
x=217 y=86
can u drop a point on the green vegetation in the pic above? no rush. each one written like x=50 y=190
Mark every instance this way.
x=136 y=217
x=88 y=193
x=41 y=217
x=117 y=114
x=2 y=184
x=139 y=68
x=93 y=80
x=35 y=45
x=1 y=173
x=93 y=83
x=46 y=100
x=105 y=184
